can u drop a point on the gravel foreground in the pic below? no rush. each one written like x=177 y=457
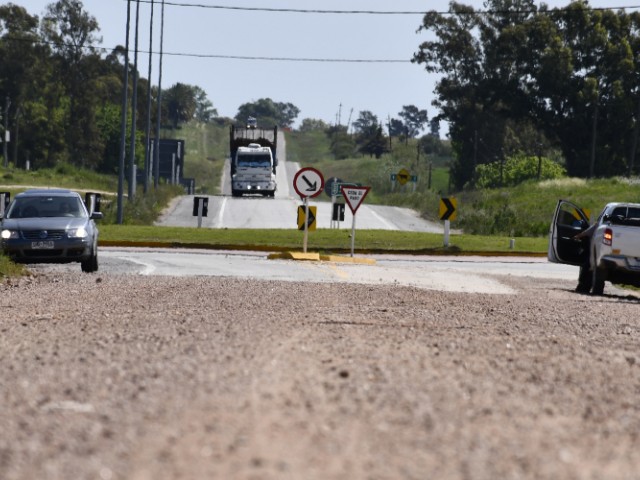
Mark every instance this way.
x=130 y=377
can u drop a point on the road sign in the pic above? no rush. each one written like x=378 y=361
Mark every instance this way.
x=447 y=210
x=354 y=196
x=308 y=182
x=200 y=206
x=403 y=176
x=332 y=186
x=337 y=214
x=311 y=221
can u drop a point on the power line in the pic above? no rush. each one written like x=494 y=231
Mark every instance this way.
x=290 y=59
x=224 y=57
x=373 y=12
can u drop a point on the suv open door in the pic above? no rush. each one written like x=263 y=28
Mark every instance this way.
x=568 y=221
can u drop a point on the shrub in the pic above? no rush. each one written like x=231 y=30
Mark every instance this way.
x=516 y=170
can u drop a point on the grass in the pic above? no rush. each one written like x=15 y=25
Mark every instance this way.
x=10 y=269
x=207 y=146
x=526 y=209
x=61 y=176
x=489 y=218
x=324 y=240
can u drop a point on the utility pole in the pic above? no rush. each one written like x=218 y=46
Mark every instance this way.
x=134 y=110
x=5 y=139
x=156 y=149
x=123 y=120
x=594 y=135
x=147 y=136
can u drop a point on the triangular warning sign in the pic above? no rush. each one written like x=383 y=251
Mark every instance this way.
x=354 y=196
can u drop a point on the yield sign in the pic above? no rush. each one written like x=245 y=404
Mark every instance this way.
x=354 y=196
x=308 y=182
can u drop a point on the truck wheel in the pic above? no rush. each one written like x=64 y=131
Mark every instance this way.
x=599 y=275
x=585 y=278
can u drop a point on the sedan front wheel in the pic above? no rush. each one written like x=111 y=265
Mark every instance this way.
x=90 y=265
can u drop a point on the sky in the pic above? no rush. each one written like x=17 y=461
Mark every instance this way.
x=328 y=90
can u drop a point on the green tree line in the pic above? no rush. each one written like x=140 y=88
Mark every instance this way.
x=61 y=96
x=528 y=79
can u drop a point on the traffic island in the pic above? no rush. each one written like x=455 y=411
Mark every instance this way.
x=317 y=257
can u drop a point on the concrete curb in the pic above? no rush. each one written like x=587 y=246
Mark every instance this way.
x=337 y=252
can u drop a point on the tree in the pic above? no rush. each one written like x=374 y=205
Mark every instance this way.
x=365 y=123
x=71 y=32
x=342 y=144
x=204 y=108
x=414 y=119
x=311 y=124
x=268 y=113
x=570 y=73
x=369 y=136
x=434 y=127
x=23 y=64
x=396 y=128
x=180 y=101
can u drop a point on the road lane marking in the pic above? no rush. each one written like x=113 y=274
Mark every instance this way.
x=148 y=268
x=221 y=212
x=382 y=220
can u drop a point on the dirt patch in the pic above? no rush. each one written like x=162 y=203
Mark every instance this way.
x=129 y=377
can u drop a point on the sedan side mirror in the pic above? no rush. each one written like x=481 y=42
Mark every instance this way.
x=97 y=216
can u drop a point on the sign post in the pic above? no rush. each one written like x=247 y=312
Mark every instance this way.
x=447 y=212
x=354 y=197
x=307 y=182
x=200 y=208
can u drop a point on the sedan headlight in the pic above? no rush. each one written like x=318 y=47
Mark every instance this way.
x=77 y=232
x=7 y=234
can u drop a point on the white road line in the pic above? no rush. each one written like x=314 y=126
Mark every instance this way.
x=221 y=213
x=381 y=219
x=148 y=268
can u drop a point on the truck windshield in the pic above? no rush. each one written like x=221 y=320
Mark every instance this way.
x=260 y=160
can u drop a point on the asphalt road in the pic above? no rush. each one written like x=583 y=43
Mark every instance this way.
x=451 y=273
x=226 y=211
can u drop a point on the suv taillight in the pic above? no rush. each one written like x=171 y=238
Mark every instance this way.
x=607 y=238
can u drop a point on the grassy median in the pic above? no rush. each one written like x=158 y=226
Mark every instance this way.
x=325 y=240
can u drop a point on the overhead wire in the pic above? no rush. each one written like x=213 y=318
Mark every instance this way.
x=364 y=12
x=319 y=11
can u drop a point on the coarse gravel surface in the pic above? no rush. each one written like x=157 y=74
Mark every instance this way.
x=131 y=377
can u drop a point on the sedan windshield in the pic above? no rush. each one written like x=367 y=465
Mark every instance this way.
x=46 y=206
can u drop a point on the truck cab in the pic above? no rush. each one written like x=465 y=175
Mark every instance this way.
x=253 y=171
x=253 y=160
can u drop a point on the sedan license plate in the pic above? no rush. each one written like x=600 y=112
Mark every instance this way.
x=42 y=245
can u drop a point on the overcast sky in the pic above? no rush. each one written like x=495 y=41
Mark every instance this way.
x=322 y=90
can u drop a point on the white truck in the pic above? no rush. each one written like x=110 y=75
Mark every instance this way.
x=253 y=161
x=609 y=252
